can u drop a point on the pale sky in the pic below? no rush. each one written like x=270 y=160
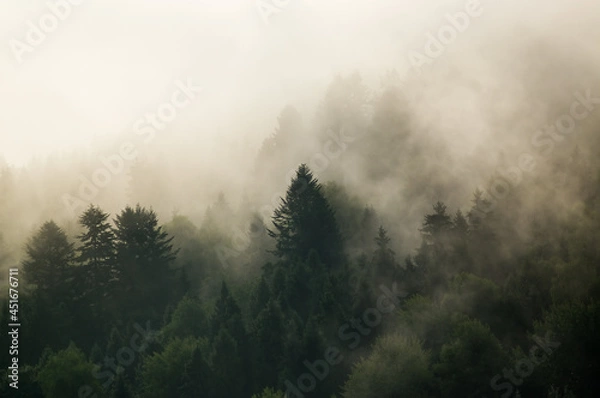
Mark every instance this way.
x=110 y=61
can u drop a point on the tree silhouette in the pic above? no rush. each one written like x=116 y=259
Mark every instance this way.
x=97 y=252
x=305 y=221
x=49 y=259
x=144 y=253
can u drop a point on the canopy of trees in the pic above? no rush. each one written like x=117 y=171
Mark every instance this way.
x=327 y=295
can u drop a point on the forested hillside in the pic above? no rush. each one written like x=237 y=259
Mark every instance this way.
x=438 y=286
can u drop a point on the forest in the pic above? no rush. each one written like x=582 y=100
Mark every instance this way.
x=498 y=297
x=290 y=199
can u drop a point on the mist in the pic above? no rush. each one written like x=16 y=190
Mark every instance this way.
x=202 y=112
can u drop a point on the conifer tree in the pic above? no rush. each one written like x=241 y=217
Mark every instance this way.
x=384 y=262
x=49 y=259
x=97 y=253
x=197 y=378
x=144 y=252
x=305 y=221
x=268 y=333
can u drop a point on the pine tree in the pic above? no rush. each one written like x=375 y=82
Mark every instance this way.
x=261 y=296
x=384 y=262
x=436 y=226
x=460 y=225
x=144 y=253
x=268 y=333
x=50 y=257
x=227 y=317
x=305 y=221
x=226 y=310
x=433 y=254
x=120 y=388
x=141 y=239
x=228 y=366
x=460 y=251
x=97 y=253
x=197 y=379
x=479 y=213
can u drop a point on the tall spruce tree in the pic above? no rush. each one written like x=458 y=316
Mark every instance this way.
x=50 y=256
x=144 y=253
x=97 y=252
x=384 y=262
x=305 y=221
x=141 y=239
x=227 y=323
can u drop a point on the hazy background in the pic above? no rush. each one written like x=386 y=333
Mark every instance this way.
x=78 y=94
x=109 y=61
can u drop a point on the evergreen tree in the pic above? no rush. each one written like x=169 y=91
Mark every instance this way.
x=434 y=250
x=227 y=317
x=65 y=372
x=141 y=240
x=120 y=388
x=269 y=336
x=305 y=221
x=479 y=215
x=97 y=252
x=459 y=242
x=436 y=227
x=226 y=311
x=262 y=294
x=144 y=253
x=188 y=320
x=229 y=372
x=50 y=257
x=197 y=378
x=384 y=262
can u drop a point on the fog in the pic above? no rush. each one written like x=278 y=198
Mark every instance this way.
x=203 y=110
x=78 y=93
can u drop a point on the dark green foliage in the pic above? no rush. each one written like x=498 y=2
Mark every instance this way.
x=197 y=376
x=50 y=257
x=261 y=296
x=574 y=361
x=269 y=393
x=228 y=365
x=97 y=252
x=269 y=334
x=484 y=288
x=398 y=367
x=435 y=228
x=144 y=253
x=65 y=372
x=468 y=359
x=161 y=373
x=306 y=222
x=384 y=261
x=140 y=240
x=188 y=320
x=226 y=312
